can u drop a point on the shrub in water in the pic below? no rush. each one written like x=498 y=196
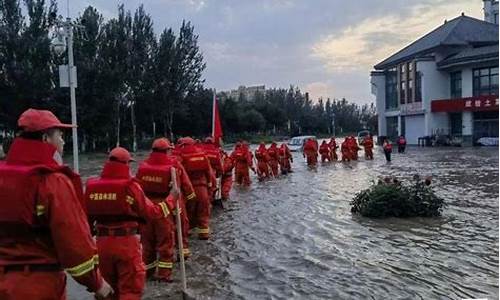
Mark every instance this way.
x=391 y=198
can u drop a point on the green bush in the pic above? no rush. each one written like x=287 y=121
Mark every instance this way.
x=391 y=198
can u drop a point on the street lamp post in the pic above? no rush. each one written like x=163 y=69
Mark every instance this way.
x=63 y=38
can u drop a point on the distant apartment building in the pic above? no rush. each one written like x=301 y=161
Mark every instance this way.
x=247 y=92
x=444 y=83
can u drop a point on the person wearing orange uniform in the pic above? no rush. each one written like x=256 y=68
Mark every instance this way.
x=311 y=152
x=262 y=162
x=345 y=150
x=213 y=153
x=227 y=175
x=353 y=147
x=44 y=228
x=387 y=146
x=368 y=145
x=325 y=152
x=158 y=236
x=286 y=159
x=116 y=204
x=273 y=162
x=198 y=168
x=242 y=158
x=333 y=148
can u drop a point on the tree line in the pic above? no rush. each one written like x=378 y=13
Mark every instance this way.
x=134 y=84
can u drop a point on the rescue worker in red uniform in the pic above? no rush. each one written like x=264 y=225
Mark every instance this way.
x=262 y=162
x=286 y=159
x=311 y=152
x=353 y=147
x=158 y=236
x=273 y=153
x=345 y=150
x=227 y=175
x=44 y=228
x=213 y=153
x=325 y=151
x=401 y=144
x=242 y=158
x=387 y=146
x=116 y=204
x=198 y=168
x=333 y=148
x=368 y=145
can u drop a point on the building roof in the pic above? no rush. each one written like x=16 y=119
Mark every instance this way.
x=462 y=30
x=471 y=55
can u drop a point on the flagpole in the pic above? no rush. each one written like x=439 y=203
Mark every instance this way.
x=213 y=115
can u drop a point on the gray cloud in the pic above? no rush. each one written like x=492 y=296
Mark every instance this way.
x=272 y=42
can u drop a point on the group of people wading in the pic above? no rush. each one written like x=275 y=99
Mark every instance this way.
x=328 y=150
x=115 y=232
x=118 y=230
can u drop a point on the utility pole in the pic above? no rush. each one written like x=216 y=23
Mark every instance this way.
x=64 y=41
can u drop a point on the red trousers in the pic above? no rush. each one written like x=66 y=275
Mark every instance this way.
x=185 y=227
x=325 y=157
x=33 y=286
x=312 y=160
x=121 y=265
x=369 y=153
x=158 y=243
x=199 y=211
x=346 y=156
x=242 y=176
x=226 y=184
x=285 y=165
x=262 y=169
x=273 y=163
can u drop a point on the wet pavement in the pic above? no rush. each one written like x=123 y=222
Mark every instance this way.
x=295 y=238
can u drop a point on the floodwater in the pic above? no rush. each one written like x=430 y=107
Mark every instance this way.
x=295 y=238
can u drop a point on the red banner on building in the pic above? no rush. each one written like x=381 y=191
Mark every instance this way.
x=479 y=103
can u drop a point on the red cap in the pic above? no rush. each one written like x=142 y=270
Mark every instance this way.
x=121 y=154
x=186 y=141
x=37 y=120
x=162 y=144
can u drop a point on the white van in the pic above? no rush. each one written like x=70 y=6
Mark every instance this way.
x=297 y=142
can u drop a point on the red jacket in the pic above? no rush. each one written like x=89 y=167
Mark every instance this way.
x=324 y=149
x=62 y=236
x=213 y=154
x=197 y=166
x=163 y=160
x=273 y=152
x=140 y=205
x=310 y=148
x=228 y=165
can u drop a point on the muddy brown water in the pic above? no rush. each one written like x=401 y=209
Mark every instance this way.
x=295 y=238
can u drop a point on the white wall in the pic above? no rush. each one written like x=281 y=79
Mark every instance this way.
x=435 y=85
x=377 y=82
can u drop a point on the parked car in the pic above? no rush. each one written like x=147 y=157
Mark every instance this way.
x=297 y=142
x=362 y=134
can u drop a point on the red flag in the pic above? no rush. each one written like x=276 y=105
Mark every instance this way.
x=216 y=125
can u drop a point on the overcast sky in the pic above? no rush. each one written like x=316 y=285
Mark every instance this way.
x=326 y=47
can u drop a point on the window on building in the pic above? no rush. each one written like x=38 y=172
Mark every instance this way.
x=409 y=95
x=402 y=91
x=485 y=81
x=418 y=87
x=410 y=67
x=391 y=89
x=456 y=84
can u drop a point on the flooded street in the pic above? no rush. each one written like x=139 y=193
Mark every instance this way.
x=295 y=237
